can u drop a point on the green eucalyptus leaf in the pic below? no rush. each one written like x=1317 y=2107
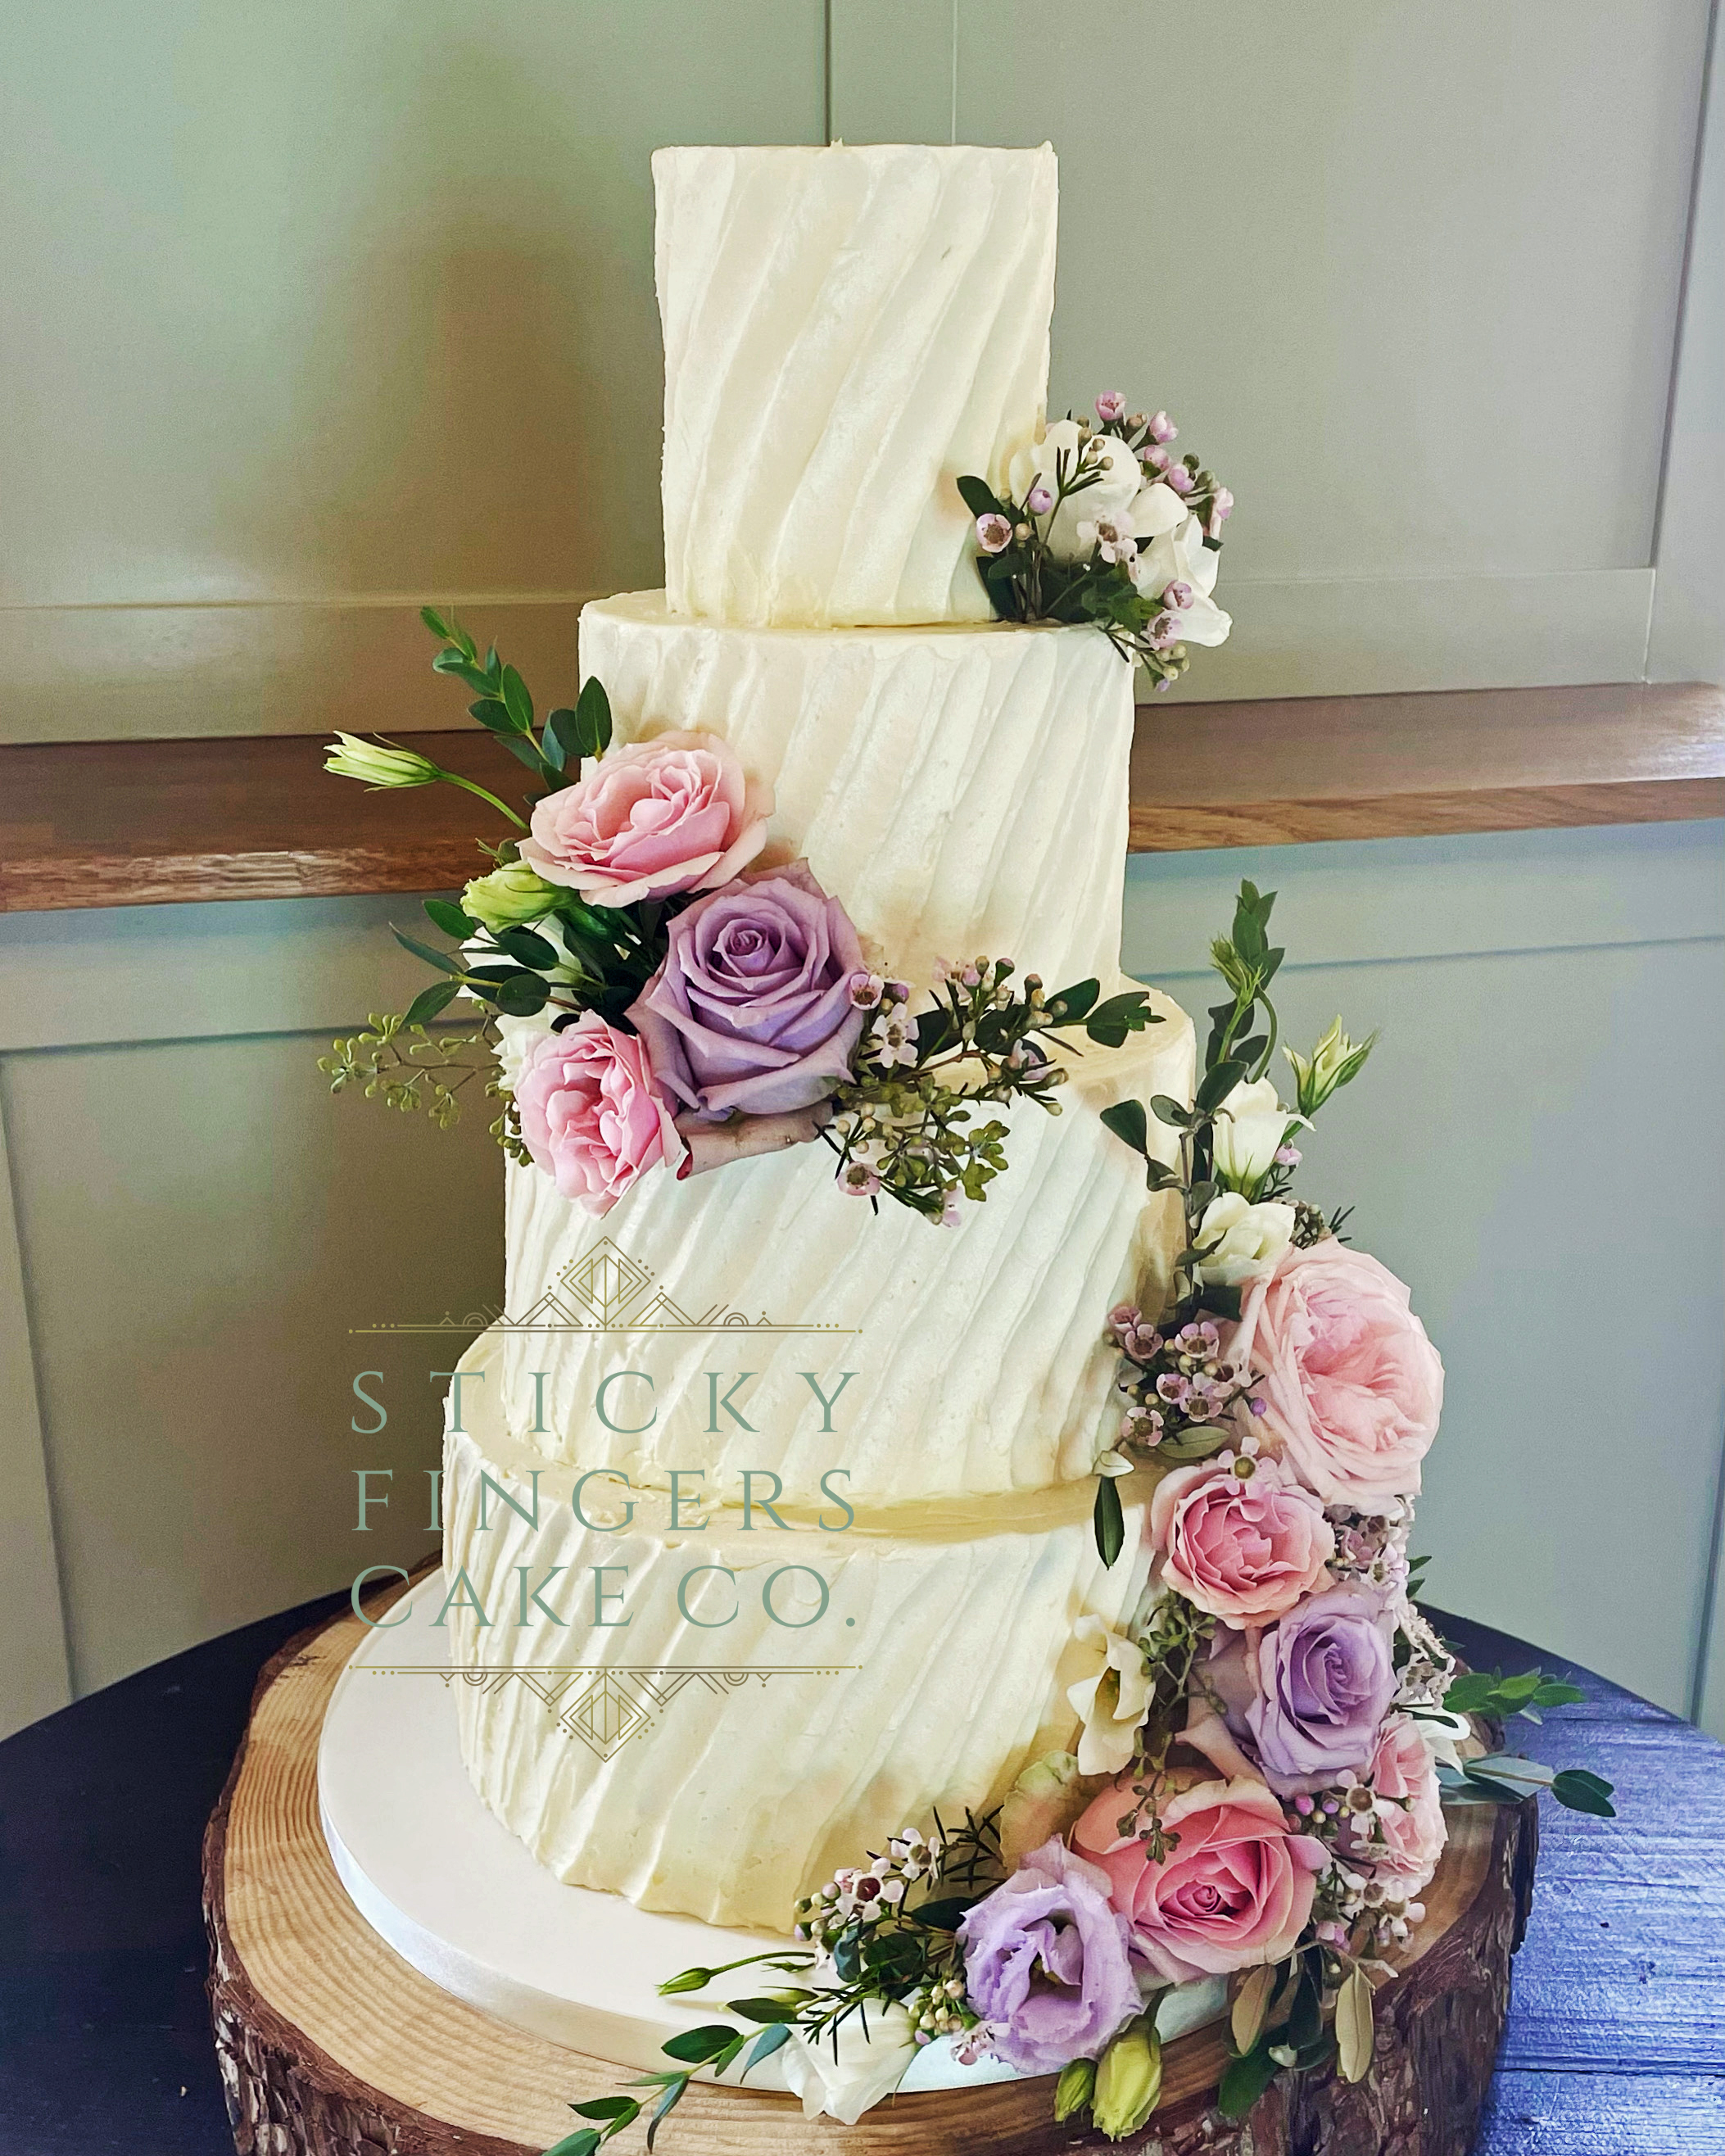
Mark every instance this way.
x=763 y=2009
x=520 y=996
x=765 y=2045
x=1215 y=1085
x=493 y=714
x=443 y=913
x=1243 y=2081
x=436 y=624
x=623 y=2109
x=1110 y=1023
x=517 y=701
x=562 y=739
x=1167 y=1110
x=445 y=961
x=980 y=499
x=1583 y=1792
x=582 y=2143
x=944 y=1915
x=593 y=718
x=427 y=1004
x=1068 y=1005
x=695 y=2046
x=1127 y=1122
x=526 y=948
x=1108 y=1520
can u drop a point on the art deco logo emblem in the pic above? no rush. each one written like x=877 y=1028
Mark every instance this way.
x=605 y=1290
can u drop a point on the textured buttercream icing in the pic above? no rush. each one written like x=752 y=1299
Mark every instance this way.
x=979 y=1361
x=960 y=790
x=846 y=332
x=935 y=1671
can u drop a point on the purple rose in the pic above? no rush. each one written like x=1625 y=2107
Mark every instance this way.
x=1322 y=1682
x=751 y=1009
x=1047 y=1962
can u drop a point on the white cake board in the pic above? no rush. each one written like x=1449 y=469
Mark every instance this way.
x=459 y=1897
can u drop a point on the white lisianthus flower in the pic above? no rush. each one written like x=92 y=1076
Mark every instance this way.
x=1112 y=1700
x=1239 y=1241
x=850 y=2077
x=1180 y=558
x=1250 y=1127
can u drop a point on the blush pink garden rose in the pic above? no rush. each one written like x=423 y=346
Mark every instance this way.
x=592 y=1114
x=1244 y=1551
x=1351 y=1386
x=650 y=819
x=1235 y=1891
x=1410 y=1810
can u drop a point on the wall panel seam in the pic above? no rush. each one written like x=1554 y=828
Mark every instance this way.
x=1684 y=285
x=32 y=1352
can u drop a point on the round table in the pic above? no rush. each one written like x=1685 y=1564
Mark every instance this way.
x=1616 y=2038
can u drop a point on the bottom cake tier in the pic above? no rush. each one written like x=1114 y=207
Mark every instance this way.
x=713 y=1718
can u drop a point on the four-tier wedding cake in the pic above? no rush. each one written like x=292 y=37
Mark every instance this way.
x=846 y=332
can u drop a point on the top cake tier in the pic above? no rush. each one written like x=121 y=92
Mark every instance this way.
x=846 y=332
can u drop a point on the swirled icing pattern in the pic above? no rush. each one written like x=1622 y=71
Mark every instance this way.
x=846 y=331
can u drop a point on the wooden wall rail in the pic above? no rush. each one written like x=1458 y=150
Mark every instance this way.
x=143 y=823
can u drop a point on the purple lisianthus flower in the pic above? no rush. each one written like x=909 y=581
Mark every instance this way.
x=1047 y=1962
x=752 y=1009
x=1322 y=1682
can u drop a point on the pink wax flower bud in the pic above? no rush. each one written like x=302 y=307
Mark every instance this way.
x=1110 y=405
x=1162 y=428
x=1158 y=459
x=866 y=989
x=1178 y=595
x=994 y=533
x=1288 y=1156
x=1178 y=478
x=1039 y=501
x=1220 y=510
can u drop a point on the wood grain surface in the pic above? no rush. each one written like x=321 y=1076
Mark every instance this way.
x=1615 y=2045
x=331 y=2046
x=143 y=823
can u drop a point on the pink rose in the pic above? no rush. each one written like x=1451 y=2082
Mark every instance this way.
x=592 y=1113
x=1411 y=1812
x=1246 y=1551
x=1350 y=1386
x=650 y=819
x=1235 y=1891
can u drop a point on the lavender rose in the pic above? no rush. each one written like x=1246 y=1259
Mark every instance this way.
x=751 y=1009
x=1323 y=1680
x=1047 y=1962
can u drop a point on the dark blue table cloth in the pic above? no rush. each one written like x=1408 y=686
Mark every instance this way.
x=1616 y=2038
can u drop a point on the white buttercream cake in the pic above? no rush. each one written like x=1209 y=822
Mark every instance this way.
x=846 y=332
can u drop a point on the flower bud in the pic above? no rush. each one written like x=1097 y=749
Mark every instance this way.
x=1129 y=2079
x=1072 y=2091
x=378 y=763
x=509 y=897
x=1330 y=1064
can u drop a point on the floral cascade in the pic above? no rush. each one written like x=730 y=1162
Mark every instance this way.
x=661 y=992
x=1263 y=1754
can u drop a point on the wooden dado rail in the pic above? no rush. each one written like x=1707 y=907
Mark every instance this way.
x=145 y=823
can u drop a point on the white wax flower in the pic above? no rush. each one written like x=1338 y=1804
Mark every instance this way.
x=1241 y=1240
x=1180 y=556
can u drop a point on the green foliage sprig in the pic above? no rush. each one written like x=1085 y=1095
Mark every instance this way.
x=904 y=1125
x=869 y=1952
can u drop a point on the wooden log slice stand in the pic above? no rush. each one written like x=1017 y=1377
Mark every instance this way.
x=330 y=2044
